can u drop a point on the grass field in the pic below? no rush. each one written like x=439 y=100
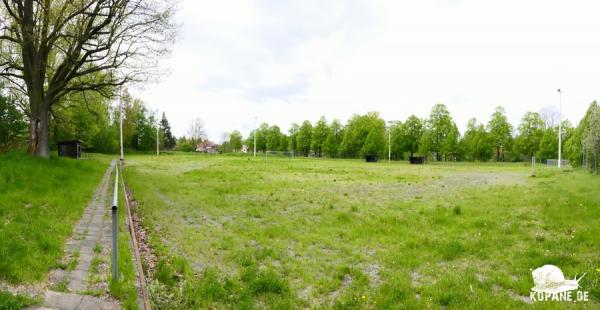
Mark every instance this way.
x=40 y=202
x=238 y=232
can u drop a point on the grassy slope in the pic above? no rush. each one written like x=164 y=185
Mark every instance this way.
x=348 y=234
x=40 y=202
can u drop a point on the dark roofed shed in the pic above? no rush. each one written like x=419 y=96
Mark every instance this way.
x=70 y=148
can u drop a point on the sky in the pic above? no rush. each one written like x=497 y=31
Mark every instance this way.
x=290 y=61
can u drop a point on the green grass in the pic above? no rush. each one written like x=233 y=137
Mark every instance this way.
x=40 y=202
x=237 y=232
x=11 y=302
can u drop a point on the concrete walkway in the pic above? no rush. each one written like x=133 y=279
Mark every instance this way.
x=87 y=258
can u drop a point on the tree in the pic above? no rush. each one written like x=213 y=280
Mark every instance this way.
x=531 y=131
x=262 y=134
x=375 y=141
x=235 y=141
x=398 y=139
x=574 y=150
x=319 y=135
x=144 y=138
x=169 y=140
x=356 y=132
x=591 y=137
x=548 y=147
x=500 y=132
x=196 y=131
x=303 y=140
x=283 y=143
x=53 y=48
x=441 y=133
x=550 y=115
x=273 y=138
x=12 y=122
x=292 y=141
x=413 y=130
x=334 y=137
x=476 y=142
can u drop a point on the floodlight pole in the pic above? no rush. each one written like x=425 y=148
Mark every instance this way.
x=157 y=141
x=255 y=136
x=389 y=141
x=559 y=128
x=121 y=123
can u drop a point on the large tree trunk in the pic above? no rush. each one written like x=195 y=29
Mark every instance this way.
x=39 y=128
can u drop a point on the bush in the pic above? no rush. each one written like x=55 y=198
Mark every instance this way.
x=185 y=147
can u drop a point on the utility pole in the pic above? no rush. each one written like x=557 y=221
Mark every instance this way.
x=559 y=128
x=389 y=141
x=157 y=135
x=121 y=122
x=255 y=132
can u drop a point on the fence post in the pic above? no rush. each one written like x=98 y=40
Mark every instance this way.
x=115 y=263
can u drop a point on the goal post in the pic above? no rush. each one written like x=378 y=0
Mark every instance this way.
x=279 y=154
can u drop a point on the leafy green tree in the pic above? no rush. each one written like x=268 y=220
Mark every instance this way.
x=548 y=148
x=283 y=143
x=184 y=145
x=574 y=149
x=531 y=131
x=293 y=138
x=500 y=132
x=375 y=141
x=81 y=117
x=273 y=138
x=105 y=140
x=476 y=142
x=303 y=140
x=441 y=134
x=262 y=134
x=356 y=132
x=235 y=141
x=398 y=137
x=169 y=140
x=334 y=138
x=413 y=131
x=319 y=135
x=51 y=49
x=144 y=138
x=591 y=138
x=12 y=123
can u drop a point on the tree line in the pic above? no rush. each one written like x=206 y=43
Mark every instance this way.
x=436 y=137
x=94 y=120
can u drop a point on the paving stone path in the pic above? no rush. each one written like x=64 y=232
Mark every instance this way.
x=87 y=257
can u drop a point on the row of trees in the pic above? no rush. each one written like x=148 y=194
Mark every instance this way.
x=436 y=137
x=91 y=118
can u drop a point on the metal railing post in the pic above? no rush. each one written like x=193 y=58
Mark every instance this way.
x=115 y=271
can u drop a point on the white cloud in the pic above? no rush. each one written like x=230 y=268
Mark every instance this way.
x=289 y=61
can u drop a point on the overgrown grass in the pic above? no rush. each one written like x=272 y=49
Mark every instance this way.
x=238 y=232
x=40 y=202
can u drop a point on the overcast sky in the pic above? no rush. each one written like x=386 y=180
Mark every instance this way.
x=287 y=61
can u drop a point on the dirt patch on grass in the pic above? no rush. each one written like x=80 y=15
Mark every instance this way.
x=372 y=270
x=346 y=282
x=149 y=259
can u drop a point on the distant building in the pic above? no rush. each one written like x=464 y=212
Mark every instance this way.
x=244 y=149
x=207 y=147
